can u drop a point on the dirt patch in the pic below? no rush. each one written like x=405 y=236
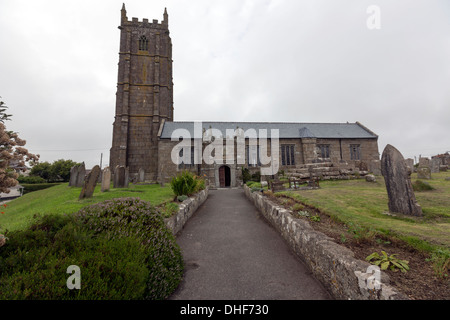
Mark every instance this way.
x=419 y=283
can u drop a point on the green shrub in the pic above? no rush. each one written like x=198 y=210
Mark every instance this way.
x=246 y=176
x=31 y=179
x=183 y=184
x=186 y=183
x=34 y=263
x=122 y=246
x=36 y=186
x=126 y=217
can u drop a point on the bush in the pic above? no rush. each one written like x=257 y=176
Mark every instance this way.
x=186 y=183
x=35 y=261
x=246 y=176
x=122 y=246
x=127 y=217
x=30 y=179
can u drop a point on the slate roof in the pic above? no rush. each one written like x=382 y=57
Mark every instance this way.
x=286 y=129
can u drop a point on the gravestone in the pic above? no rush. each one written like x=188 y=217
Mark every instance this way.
x=398 y=183
x=435 y=164
x=73 y=176
x=81 y=173
x=89 y=184
x=120 y=177
x=424 y=162
x=106 y=179
x=410 y=163
x=423 y=173
x=141 y=175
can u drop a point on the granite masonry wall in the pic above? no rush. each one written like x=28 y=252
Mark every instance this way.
x=335 y=266
x=186 y=209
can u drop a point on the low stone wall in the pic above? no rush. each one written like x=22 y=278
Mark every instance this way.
x=335 y=266
x=186 y=209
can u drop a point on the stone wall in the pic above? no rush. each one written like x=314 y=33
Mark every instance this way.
x=187 y=208
x=335 y=266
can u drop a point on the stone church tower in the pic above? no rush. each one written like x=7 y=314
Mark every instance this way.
x=144 y=95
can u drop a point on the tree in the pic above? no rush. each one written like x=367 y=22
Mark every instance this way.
x=59 y=170
x=11 y=151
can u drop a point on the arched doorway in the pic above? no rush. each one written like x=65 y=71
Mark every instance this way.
x=224 y=176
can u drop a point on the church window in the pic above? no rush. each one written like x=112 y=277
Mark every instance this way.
x=324 y=150
x=253 y=156
x=143 y=43
x=185 y=161
x=287 y=155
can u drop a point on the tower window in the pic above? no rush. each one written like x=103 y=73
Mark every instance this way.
x=143 y=43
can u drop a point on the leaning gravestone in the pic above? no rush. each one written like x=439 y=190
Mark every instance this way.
x=89 y=183
x=81 y=173
x=73 y=176
x=398 y=183
x=106 y=179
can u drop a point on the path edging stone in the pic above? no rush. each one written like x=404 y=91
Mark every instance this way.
x=344 y=276
x=187 y=208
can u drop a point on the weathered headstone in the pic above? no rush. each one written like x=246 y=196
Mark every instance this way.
x=423 y=173
x=398 y=183
x=106 y=179
x=89 y=184
x=120 y=177
x=141 y=175
x=435 y=164
x=81 y=173
x=73 y=176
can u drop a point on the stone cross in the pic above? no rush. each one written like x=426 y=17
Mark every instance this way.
x=89 y=184
x=106 y=179
x=398 y=183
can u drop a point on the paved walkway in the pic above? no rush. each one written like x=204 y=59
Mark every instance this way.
x=232 y=253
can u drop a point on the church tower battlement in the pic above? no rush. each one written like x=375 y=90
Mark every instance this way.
x=144 y=95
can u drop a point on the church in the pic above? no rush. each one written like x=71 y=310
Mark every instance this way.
x=146 y=137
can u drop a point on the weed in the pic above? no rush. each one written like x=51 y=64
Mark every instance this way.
x=388 y=261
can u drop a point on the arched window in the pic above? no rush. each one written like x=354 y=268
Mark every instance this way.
x=143 y=43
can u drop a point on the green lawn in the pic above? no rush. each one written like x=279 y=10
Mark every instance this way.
x=18 y=214
x=365 y=203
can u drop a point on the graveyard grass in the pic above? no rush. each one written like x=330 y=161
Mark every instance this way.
x=63 y=199
x=366 y=204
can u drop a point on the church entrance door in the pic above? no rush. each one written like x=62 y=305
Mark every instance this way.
x=224 y=176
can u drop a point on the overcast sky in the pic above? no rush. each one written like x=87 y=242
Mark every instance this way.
x=234 y=60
